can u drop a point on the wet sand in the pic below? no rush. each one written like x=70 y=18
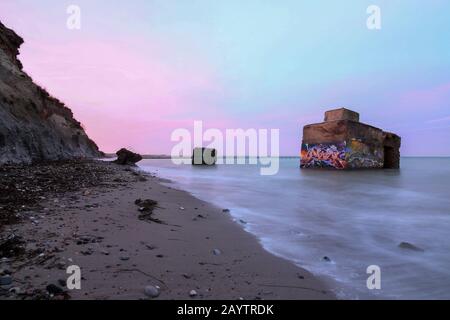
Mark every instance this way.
x=196 y=246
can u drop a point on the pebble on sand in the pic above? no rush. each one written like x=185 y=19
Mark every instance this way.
x=54 y=289
x=16 y=290
x=62 y=282
x=5 y=272
x=152 y=291
x=217 y=252
x=193 y=293
x=5 y=280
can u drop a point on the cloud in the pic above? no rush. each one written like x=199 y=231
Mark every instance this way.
x=444 y=119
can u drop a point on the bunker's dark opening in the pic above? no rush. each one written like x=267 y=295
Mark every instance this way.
x=390 y=157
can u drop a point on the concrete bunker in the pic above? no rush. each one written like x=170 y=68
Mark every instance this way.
x=343 y=142
x=204 y=156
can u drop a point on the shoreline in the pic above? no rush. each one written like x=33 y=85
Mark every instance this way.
x=189 y=248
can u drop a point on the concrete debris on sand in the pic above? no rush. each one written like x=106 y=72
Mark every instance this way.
x=146 y=208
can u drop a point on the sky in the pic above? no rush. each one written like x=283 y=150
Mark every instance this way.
x=139 y=69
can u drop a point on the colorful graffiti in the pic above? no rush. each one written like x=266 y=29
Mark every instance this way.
x=324 y=155
x=343 y=155
x=361 y=155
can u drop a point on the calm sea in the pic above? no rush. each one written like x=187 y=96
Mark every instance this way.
x=355 y=218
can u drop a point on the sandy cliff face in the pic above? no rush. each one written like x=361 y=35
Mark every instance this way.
x=33 y=125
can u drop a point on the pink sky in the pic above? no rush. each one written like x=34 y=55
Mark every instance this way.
x=137 y=71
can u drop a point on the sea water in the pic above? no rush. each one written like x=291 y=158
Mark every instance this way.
x=354 y=218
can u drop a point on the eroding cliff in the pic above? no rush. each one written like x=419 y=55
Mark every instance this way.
x=33 y=125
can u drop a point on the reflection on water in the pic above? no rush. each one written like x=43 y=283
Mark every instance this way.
x=355 y=218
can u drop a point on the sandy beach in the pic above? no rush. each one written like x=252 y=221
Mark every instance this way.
x=188 y=249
